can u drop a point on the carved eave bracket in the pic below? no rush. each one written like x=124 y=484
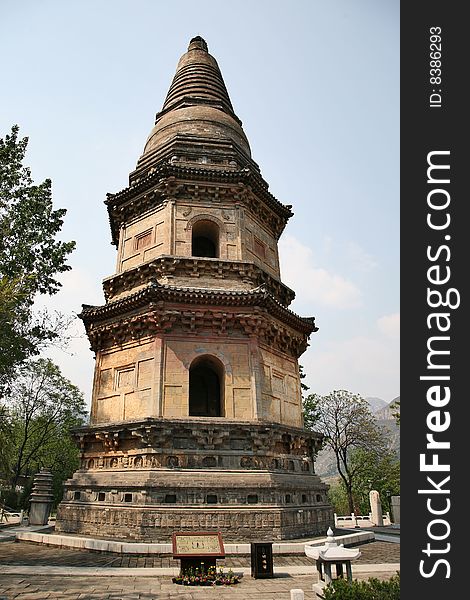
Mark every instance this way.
x=118 y=332
x=210 y=439
x=171 y=180
x=110 y=440
x=167 y=267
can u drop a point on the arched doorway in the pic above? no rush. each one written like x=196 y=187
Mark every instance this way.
x=205 y=239
x=206 y=387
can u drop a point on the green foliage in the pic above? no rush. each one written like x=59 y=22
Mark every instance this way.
x=375 y=472
x=42 y=406
x=395 y=406
x=213 y=576
x=6 y=444
x=303 y=386
x=338 y=498
x=311 y=411
x=10 y=498
x=372 y=589
x=309 y=403
x=30 y=257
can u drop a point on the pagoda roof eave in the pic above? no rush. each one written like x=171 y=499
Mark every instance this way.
x=154 y=292
x=167 y=169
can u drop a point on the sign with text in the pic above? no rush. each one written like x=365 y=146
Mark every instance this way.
x=199 y=543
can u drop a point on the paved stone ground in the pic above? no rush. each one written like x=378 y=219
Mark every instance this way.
x=24 y=553
x=38 y=587
x=70 y=586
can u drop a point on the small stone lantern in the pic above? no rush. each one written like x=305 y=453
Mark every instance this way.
x=41 y=498
x=332 y=553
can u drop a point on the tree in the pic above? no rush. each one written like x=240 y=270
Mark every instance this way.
x=395 y=407
x=347 y=424
x=6 y=446
x=338 y=498
x=381 y=473
x=310 y=403
x=30 y=258
x=303 y=386
x=312 y=411
x=43 y=407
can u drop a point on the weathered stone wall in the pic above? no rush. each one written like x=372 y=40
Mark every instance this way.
x=259 y=245
x=149 y=378
x=159 y=475
x=157 y=525
x=167 y=229
x=281 y=392
x=126 y=381
x=201 y=444
x=223 y=217
x=238 y=381
x=145 y=238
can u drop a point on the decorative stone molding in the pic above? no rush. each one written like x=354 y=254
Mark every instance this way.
x=171 y=180
x=178 y=440
x=109 y=440
x=205 y=217
x=166 y=266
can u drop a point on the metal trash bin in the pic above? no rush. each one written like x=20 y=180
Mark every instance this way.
x=262 y=560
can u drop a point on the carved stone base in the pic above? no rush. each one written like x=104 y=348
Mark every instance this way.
x=237 y=524
x=143 y=481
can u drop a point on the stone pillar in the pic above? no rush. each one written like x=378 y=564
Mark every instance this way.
x=376 y=508
x=395 y=501
x=41 y=498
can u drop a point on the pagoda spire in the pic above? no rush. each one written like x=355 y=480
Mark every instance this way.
x=197 y=110
x=198 y=80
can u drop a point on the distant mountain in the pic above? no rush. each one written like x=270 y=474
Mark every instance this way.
x=386 y=420
x=376 y=403
x=386 y=412
x=325 y=465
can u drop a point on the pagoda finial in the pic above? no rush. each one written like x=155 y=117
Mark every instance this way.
x=198 y=43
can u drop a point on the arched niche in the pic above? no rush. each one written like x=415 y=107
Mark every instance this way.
x=206 y=387
x=205 y=239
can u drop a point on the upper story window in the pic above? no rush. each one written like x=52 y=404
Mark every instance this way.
x=205 y=239
x=143 y=240
x=259 y=248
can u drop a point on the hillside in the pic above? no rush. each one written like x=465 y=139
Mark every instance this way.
x=376 y=404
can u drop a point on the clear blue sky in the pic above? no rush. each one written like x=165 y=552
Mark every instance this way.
x=316 y=84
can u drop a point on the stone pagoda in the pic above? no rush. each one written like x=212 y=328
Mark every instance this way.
x=196 y=417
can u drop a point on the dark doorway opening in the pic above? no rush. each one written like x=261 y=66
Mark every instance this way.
x=205 y=239
x=205 y=389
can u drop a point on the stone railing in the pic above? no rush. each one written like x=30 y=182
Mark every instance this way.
x=353 y=520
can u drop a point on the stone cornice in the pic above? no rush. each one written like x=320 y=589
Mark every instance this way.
x=207 y=434
x=240 y=326
x=167 y=267
x=161 y=309
x=223 y=154
x=154 y=293
x=173 y=180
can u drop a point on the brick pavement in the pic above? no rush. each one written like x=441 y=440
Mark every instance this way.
x=40 y=585
x=24 y=553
